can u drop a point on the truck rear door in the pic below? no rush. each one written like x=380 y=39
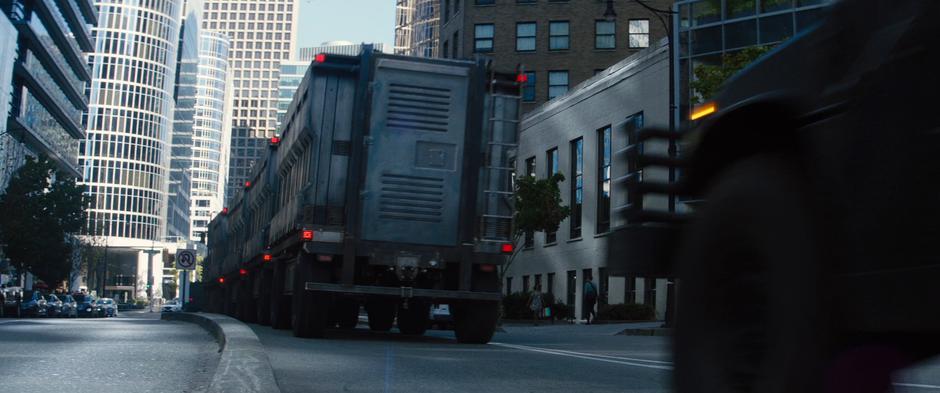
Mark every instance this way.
x=415 y=153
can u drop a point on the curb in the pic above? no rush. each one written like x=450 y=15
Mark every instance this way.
x=661 y=332
x=244 y=365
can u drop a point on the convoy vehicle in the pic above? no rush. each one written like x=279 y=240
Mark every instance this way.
x=810 y=260
x=389 y=186
x=85 y=303
x=172 y=306
x=69 y=306
x=106 y=307
x=53 y=306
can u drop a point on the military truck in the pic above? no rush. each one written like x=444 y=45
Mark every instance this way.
x=389 y=186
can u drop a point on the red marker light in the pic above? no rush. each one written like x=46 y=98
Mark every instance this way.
x=224 y=210
x=506 y=248
x=275 y=140
x=221 y=280
x=267 y=257
x=522 y=78
x=320 y=58
x=487 y=268
x=248 y=184
x=306 y=235
x=243 y=272
x=190 y=300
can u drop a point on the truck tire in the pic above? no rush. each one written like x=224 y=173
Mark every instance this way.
x=263 y=303
x=246 y=300
x=414 y=319
x=347 y=313
x=475 y=321
x=381 y=313
x=280 y=304
x=311 y=308
x=750 y=312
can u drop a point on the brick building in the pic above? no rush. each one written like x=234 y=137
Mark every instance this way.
x=560 y=43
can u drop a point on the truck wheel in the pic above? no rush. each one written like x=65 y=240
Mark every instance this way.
x=347 y=313
x=381 y=314
x=475 y=321
x=280 y=304
x=750 y=314
x=414 y=319
x=263 y=302
x=311 y=308
x=246 y=309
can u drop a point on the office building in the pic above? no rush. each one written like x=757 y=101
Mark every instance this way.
x=262 y=34
x=558 y=44
x=417 y=27
x=211 y=131
x=129 y=123
x=337 y=48
x=43 y=77
x=707 y=29
x=577 y=134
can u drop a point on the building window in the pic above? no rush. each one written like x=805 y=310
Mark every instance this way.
x=483 y=38
x=557 y=83
x=525 y=284
x=577 y=186
x=525 y=36
x=529 y=240
x=528 y=89
x=633 y=124
x=446 y=49
x=571 y=288
x=649 y=291
x=558 y=38
x=605 y=34
x=508 y=285
x=629 y=290
x=639 y=33
x=455 y=43
x=551 y=165
x=538 y=282
x=550 y=285
x=603 y=180
x=603 y=285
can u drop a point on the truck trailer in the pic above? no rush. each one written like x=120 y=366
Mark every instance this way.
x=389 y=186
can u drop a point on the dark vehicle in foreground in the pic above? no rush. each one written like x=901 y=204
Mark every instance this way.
x=69 y=306
x=85 y=304
x=33 y=304
x=106 y=307
x=53 y=306
x=810 y=263
x=389 y=188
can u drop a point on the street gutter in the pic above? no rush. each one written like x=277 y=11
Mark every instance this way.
x=244 y=365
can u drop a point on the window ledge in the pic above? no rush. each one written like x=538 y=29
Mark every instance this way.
x=552 y=244
x=577 y=239
x=605 y=49
x=602 y=234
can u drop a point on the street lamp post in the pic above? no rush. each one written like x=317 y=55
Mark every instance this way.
x=610 y=14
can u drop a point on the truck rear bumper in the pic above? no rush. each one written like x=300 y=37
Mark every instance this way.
x=403 y=292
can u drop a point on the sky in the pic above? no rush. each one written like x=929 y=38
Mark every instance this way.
x=350 y=20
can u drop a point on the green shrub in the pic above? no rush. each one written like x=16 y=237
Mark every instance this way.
x=626 y=312
x=516 y=306
x=561 y=311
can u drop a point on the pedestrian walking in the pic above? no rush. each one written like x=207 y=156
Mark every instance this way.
x=590 y=299
x=535 y=304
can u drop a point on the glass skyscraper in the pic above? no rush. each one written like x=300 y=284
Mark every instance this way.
x=417 y=27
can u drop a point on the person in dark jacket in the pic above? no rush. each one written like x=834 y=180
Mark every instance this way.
x=590 y=299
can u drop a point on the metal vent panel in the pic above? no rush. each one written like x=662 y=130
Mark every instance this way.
x=418 y=108
x=411 y=198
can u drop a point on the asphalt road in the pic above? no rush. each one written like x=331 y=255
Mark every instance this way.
x=559 y=358
x=135 y=352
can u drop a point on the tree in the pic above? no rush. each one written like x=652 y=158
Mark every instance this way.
x=709 y=78
x=42 y=208
x=538 y=208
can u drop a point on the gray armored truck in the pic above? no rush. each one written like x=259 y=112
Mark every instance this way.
x=389 y=187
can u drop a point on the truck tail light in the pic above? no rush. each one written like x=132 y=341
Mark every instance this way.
x=243 y=272
x=275 y=140
x=221 y=280
x=224 y=210
x=522 y=78
x=266 y=257
x=488 y=268
x=320 y=58
x=306 y=235
x=248 y=184
x=506 y=248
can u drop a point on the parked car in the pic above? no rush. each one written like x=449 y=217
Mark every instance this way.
x=11 y=297
x=33 y=304
x=172 y=306
x=440 y=317
x=106 y=307
x=69 y=306
x=53 y=305
x=85 y=304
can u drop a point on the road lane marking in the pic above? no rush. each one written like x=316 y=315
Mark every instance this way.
x=916 y=385
x=587 y=356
